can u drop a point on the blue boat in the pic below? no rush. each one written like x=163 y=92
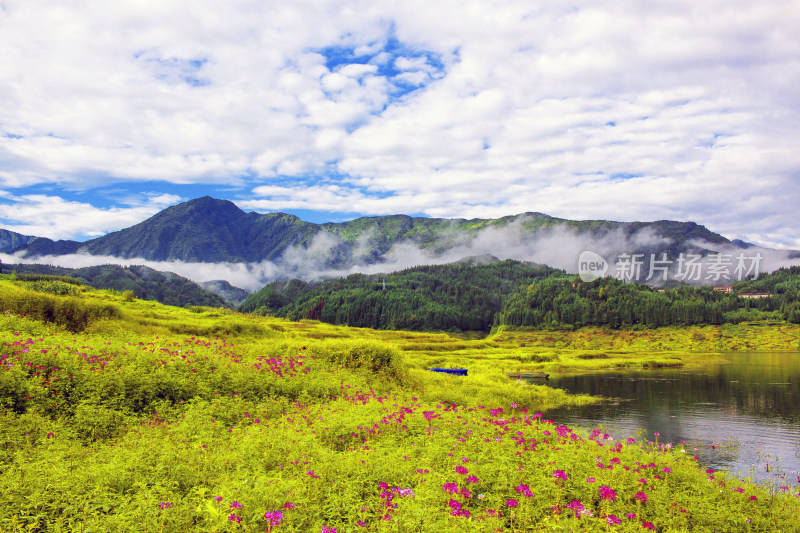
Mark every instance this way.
x=455 y=371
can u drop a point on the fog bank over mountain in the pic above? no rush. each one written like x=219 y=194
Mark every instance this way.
x=387 y=244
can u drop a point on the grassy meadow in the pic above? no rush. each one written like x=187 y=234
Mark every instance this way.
x=118 y=414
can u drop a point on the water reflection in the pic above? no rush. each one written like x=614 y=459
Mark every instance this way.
x=743 y=416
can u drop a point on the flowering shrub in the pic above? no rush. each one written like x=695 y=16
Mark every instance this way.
x=126 y=430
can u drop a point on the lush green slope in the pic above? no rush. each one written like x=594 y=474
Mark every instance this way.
x=159 y=419
x=144 y=282
x=566 y=301
x=468 y=297
x=437 y=297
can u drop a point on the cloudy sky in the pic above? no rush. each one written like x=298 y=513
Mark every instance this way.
x=626 y=110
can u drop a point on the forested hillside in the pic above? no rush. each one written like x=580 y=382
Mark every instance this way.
x=434 y=297
x=467 y=297
x=566 y=301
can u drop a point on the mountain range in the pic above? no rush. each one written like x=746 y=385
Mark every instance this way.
x=212 y=230
x=220 y=248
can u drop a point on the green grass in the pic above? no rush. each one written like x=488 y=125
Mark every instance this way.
x=162 y=419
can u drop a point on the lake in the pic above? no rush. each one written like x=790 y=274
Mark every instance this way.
x=742 y=416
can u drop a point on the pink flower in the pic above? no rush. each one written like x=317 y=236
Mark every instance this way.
x=288 y=505
x=631 y=516
x=233 y=517
x=641 y=496
x=450 y=487
x=648 y=525
x=590 y=480
x=472 y=479
x=218 y=498
x=612 y=520
x=576 y=506
x=607 y=493
x=525 y=490
x=165 y=505
x=560 y=474
x=236 y=505
x=511 y=502
x=274 y=518
x=461 y=470
x=326 y=529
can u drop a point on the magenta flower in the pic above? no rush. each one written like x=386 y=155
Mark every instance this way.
x=607 y=493
x=274 y=518
x=641 y=496
x=218 y=499
x=461 y=470
x=472 y=479
x=560 y=474
x=611 y=520
x=511 y=502
x=236 y=505
x=288 y=505
x=326 y=529
x=233 y=517
x=648 y=525
x=576 y=506
x=590 y=480
x=450 y=487
x=165 y=505
x=631 y=516
x=525 y=490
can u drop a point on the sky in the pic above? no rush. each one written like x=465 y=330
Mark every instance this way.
x=111 y=111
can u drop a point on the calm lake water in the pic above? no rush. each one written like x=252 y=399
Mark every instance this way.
x=742 y=416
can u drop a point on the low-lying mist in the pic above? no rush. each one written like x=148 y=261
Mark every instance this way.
x=558 y=246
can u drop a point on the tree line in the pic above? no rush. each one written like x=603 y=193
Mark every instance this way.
x=457 y=296
x=567 y=301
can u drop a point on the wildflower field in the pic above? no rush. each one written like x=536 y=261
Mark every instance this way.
x=120 y=415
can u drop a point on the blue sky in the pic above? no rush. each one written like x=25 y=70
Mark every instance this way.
x=624 y=110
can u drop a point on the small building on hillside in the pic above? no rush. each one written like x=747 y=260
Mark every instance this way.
x=724 y=288
x=754 y=295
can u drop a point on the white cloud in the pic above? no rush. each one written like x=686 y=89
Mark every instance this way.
x=55 y=218
x=623 y=110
